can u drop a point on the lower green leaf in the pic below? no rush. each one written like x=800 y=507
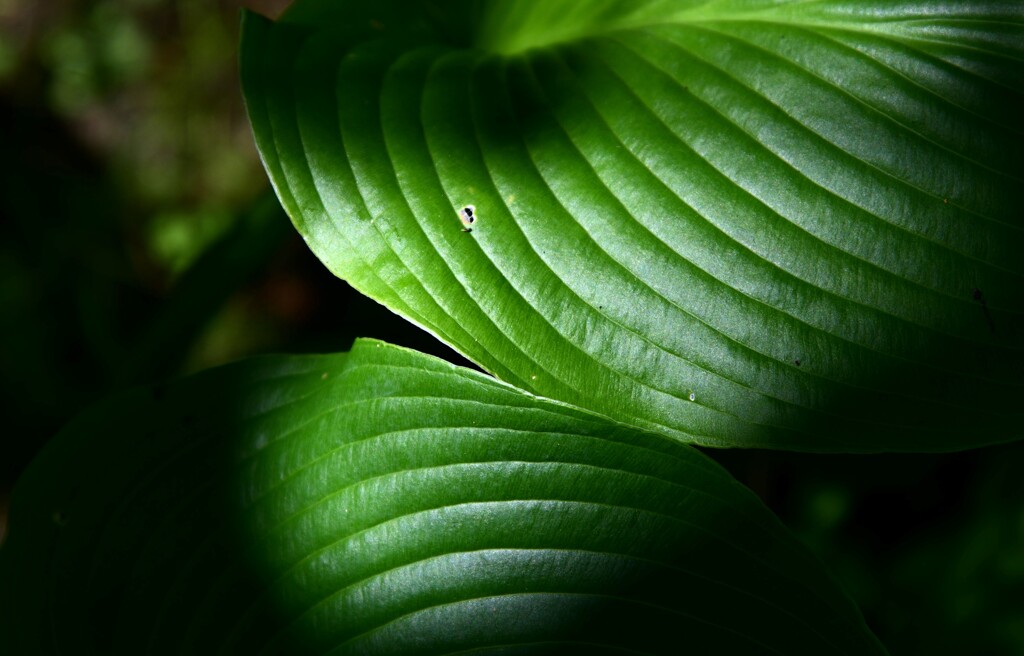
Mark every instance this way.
x=383 y=502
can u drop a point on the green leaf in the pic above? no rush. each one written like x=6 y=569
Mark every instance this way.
x=785 y=225
x=383 y=502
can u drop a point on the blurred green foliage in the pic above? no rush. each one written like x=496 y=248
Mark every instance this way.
x=137 y=241
x=127 y=156
x=151 y=88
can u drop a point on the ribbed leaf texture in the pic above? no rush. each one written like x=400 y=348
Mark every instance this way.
x=761 y=224
x=385 y=502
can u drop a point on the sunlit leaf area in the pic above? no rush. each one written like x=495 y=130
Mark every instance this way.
x=511 y=326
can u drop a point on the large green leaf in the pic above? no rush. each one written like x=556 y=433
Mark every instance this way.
x=385 y=502
x=786 y=225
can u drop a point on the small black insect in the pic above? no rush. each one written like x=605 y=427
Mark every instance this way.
x=980 y=298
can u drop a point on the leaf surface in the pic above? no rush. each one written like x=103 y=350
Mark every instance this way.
x=385 y=502
x=783 y=225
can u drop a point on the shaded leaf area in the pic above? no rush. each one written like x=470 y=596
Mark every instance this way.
x=917 y=540
x=741 y=224
x=80 y=303
x=382 y=502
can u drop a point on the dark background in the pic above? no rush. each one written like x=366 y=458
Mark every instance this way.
x=139 y=240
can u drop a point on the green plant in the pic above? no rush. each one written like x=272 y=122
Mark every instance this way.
x=731 y=224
